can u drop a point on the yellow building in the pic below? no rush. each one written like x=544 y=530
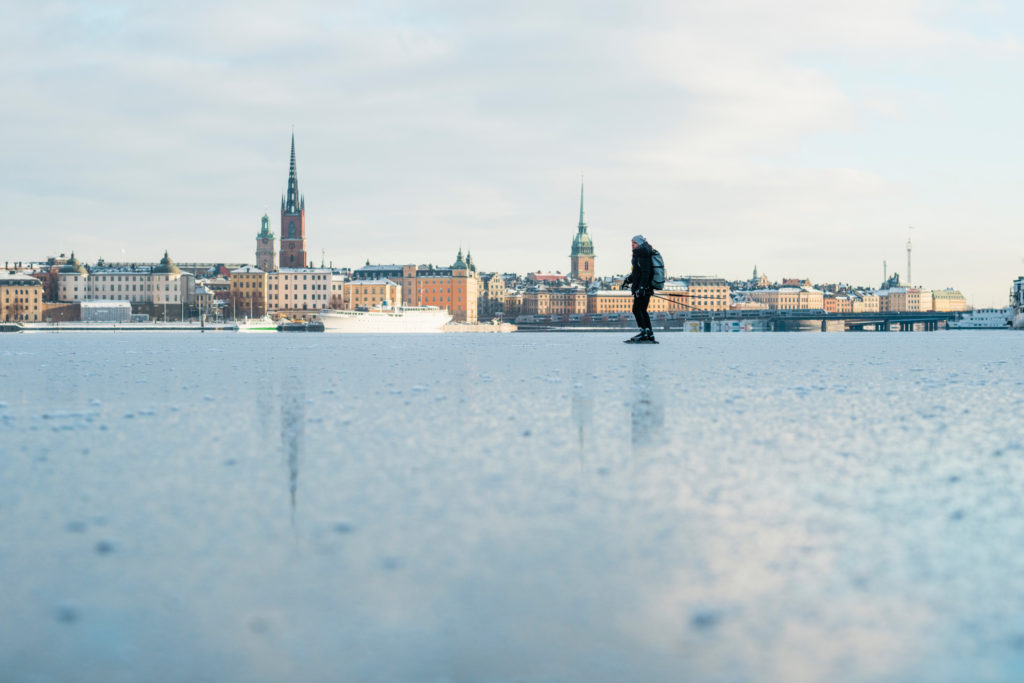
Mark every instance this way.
x=248 y=292
x=21 y=298
x=865 y=302
x=790 y=298
x=707 y=294
x=621 y=301
x=905 y=300
x=370 y=293
x=542 y=301
x=946 y=300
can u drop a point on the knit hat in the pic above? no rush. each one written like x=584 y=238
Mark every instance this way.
x=639 y=239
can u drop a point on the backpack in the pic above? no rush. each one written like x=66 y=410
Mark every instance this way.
x=657 y=270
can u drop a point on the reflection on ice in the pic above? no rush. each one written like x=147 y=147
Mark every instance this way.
x=292 y=429
x=647 y=405
x=759 y=507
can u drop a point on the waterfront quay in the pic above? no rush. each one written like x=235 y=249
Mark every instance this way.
x=750 y=321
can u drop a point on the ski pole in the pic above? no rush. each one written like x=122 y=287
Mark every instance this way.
x=671 y=297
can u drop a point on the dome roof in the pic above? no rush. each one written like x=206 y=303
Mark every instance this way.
x=459 y=264
x=72 y=266
x=582 y=244
x=167 y=266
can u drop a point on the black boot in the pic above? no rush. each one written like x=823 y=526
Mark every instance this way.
x=636 y=339
x=649 y=336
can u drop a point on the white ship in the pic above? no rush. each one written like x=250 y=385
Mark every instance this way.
x=983 y=319
x=1017 y=303
x=416 y=319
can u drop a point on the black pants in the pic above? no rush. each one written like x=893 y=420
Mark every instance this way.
x=640 y=303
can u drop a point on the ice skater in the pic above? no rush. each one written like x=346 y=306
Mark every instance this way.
x=641 y=282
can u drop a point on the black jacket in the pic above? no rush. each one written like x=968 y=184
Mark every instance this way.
x=643 y=269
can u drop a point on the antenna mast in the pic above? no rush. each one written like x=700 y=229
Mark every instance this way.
x=910 y=280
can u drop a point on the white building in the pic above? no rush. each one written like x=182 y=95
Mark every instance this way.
x=106 y=311
x=299 y=289
x=160 y=284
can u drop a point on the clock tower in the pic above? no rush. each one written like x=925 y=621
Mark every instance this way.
x=265 y=250
x=293 y=221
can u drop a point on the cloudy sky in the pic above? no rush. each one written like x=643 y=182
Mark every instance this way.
x=801 y=136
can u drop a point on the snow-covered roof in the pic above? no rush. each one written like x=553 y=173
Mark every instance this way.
x=20 y=279
x=106 y=304
x=377 y=281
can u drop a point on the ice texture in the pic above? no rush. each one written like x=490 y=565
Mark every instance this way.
x=525 y=507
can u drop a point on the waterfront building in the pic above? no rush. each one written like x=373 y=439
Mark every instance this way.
x=265 y=250
x=547 y=278
x=707 y=293
x=105 y=311
x=865 y=302
x=298 y=293
x=492 y=295
x=369 y=293
x=601 y=301
x=146 y=287
x=905 y=300
x=947 y=300
x=790 y=298
x=837 y=303
x=203 y=298
x=21 y=297
x=581 y=256
x=540 y=300
x=293 y=220
x=249 y=292
x=513 y=303
x=455 y=288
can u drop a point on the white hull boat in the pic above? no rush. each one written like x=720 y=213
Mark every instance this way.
x=983 y=319
x=264 y=324
x=407 y=319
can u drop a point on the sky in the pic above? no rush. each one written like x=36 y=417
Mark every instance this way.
x=808 y=139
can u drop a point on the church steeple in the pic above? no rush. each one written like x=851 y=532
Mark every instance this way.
x=581 y=258
x=293 y=220
x=582 y=227
x=293 y=202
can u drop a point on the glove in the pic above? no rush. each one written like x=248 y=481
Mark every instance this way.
x=623 y=285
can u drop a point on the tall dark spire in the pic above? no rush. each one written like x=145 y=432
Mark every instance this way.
x=293 y=202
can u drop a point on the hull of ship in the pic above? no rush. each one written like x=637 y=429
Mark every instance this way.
x=1018 y=321
x=264 y=324
x=420 y=321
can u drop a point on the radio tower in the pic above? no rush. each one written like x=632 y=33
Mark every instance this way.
x=910 y=280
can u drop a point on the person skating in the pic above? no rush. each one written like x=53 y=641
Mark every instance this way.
x=640 y=281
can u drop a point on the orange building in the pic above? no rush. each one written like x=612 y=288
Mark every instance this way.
x=455 y=288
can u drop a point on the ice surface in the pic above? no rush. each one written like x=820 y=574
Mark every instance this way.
x=527 y=507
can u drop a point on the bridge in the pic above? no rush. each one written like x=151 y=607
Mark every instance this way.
x=772 y=321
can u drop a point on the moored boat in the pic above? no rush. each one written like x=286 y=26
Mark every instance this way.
x=983 y=319
x=402 y=319
x=264 y=324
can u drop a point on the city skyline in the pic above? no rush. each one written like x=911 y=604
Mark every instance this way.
x=802 y=139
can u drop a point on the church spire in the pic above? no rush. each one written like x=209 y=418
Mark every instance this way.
x=583 y=223
x=293 y=201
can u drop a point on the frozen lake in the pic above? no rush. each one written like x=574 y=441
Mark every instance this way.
x=527 y=507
